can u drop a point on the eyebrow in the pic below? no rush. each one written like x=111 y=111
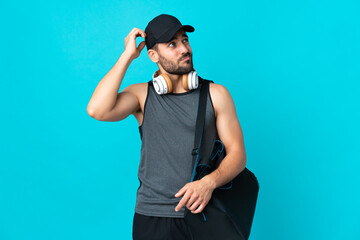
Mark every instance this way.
x=183 y=35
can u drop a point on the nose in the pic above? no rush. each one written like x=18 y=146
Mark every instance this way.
x=183 y=49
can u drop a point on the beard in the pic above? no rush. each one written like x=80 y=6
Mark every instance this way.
x=174 y=68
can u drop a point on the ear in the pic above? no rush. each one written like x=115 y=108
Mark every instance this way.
x=153 y=55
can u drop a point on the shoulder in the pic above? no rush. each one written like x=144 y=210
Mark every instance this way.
x=138 y=89
x=218 y=89
x=220 y=97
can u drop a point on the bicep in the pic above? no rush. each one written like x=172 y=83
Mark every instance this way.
x=126 y=103
x=227 y=122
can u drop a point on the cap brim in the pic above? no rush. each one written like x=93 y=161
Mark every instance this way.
x=167 y=37
x=188 y=28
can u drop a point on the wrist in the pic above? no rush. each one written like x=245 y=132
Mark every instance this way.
x=210 y=179
x=127 y=55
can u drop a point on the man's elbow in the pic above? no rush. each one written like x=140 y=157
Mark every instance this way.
x=92 y=113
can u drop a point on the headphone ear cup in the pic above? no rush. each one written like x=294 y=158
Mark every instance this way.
x=162 y=83
x=167 y=82
x=193 y=80
x=185 y=81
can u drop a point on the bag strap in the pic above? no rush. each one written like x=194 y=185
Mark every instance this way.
x=199 y=128
x=200 y=121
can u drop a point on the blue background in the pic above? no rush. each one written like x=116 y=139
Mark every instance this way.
x=292 y=68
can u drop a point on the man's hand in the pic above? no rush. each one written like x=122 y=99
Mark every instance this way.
x=197 y=195
x=130 y=43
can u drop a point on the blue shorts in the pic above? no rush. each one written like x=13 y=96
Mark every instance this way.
x=159 y=228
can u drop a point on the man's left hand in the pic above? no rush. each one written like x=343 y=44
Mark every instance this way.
x=197 y=194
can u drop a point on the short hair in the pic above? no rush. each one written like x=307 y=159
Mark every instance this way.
x=155 y=47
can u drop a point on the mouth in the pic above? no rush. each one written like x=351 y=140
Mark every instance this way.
x=185 y=59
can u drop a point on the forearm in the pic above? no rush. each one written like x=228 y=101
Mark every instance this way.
x=232 y=164
x=105 y=94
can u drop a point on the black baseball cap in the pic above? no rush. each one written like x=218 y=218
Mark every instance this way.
x=162 y=28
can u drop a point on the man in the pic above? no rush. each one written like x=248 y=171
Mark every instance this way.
x=167 y=131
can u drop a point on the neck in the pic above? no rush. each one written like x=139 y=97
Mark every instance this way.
x=176 y=82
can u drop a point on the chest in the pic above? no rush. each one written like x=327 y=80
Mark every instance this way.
x=142 y=96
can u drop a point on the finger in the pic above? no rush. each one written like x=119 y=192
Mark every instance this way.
x=132 y=32
x=195 y=205
x=200 y=208
x=136 y=29
x=182 y=202
x=143 y=34
x=181 y=191
x=141 y=46
x=139 y=33
x=194 y=198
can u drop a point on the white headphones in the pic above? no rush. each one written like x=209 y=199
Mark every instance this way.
x=162 y=83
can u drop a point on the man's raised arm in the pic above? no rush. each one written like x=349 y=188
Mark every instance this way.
x=106 y=101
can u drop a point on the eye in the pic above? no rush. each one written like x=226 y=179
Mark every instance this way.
x=184 y=40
